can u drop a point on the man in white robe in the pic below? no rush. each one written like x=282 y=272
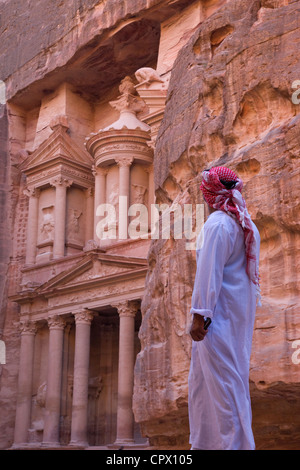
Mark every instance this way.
x=225 y=290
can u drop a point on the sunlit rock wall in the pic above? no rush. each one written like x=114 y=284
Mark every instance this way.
x=230 y=102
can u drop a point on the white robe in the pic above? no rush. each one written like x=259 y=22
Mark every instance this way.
x=219 y=401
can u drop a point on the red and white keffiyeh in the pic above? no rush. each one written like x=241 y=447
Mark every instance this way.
x=218 y=196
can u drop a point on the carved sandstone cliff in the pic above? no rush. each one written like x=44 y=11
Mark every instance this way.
x=229 y=102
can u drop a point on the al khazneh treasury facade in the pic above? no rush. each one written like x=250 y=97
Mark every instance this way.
x=117 y=105
x=81 y=290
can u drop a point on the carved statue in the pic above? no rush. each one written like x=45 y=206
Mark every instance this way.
x=41 y=395
x=139 y=193
x=74 y=217
x=47 y=225
x=127 y=86
x=113 y=197
x=95 y=387
x=147 y=75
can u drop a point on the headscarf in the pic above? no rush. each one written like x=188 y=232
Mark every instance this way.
x=221 y=189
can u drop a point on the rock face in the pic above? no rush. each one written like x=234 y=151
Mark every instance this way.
x=233 y=77
x=4 y=200
x=230 y=102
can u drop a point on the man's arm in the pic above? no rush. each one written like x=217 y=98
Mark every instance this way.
x=212 y=256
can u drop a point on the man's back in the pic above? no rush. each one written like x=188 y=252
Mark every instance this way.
x=219 y=400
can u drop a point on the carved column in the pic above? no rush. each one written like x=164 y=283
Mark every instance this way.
x=89 y=223
x=100 y=193
x=24 y=397
x=81 y=378
x=124 y=164
x=61 y=185
x=32 y=224
x=54 y=380
x=125 y=419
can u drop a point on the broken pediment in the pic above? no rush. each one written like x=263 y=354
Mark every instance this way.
x=57 y=152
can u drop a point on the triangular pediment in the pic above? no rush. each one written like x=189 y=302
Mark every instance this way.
x=92 y=269
x=59 y=145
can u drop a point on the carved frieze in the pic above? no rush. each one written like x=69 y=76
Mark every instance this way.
x=106 y=147
x=98 y=294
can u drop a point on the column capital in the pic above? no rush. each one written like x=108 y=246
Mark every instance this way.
x=56 y=322
x=31 y=192
x=85 y=316
x=126 y=308
x=60 y=181
x=124 y=161
x=28 y=327
x=99 y=170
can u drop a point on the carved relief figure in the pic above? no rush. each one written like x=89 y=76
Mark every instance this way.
x=41 y=395
x=47 y=225
x=74 y=217
x=37 y=426
x=113 y=199
x=139 y=192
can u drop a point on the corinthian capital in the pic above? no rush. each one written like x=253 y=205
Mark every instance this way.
x=85 y=316
x=126 y=308
x=28 y=327
x=56 y=322
x=99 y=170
x=31 y=192
x=60 y=181
x=124 y=161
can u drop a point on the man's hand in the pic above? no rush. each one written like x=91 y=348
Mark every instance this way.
x=197 y=330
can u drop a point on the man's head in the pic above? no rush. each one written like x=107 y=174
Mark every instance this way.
x=221 y=189
x=215 y=183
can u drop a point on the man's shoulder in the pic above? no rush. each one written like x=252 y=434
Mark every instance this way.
x=221 y=219
x=219 y=228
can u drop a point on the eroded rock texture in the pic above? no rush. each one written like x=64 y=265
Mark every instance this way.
x=230 y=103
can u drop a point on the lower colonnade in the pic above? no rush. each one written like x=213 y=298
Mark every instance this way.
x=80 y=389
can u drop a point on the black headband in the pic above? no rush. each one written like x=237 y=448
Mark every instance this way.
x=228 y=184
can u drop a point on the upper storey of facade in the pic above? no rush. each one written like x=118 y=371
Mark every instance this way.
x=86 y=153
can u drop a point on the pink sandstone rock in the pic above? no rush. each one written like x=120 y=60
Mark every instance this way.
x=229 y=102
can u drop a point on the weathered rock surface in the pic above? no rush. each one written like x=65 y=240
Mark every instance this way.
x=4 y=201
x=33 y=41
x=230 y=103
